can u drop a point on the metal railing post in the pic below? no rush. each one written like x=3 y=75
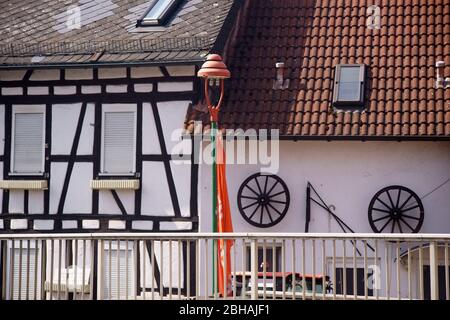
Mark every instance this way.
x=4 y=251
x=101 y=270
x=434 y=285
x=254 y=268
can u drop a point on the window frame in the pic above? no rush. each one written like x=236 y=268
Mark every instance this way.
x=362 y=84
x=163 y=18
x=109 y=108
x=35 y=108
x=269 y=246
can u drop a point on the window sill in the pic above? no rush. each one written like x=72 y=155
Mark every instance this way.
x=24 y=184
x=109 y=184
x=26 y=174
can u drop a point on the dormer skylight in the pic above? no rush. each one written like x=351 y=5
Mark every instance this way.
x=159 y=12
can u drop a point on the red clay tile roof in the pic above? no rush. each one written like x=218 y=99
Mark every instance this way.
x=311 y=38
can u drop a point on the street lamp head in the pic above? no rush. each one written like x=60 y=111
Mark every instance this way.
x=214 y=68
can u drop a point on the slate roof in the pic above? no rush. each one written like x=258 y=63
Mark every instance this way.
x=311 y=38
x=36 y=32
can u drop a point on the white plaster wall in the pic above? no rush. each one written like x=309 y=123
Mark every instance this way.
x=86 y=144
x=36 y=202
x=16 y=201
x=181 y=172
x=156 y=199
x=172 y=116
x=79 y=195
x=346 y=175
x=150 y=142
x=57 y=175
x=107 y=204
x=64 y=124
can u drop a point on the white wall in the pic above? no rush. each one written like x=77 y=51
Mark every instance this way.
x=347 y=175
x=156 y=197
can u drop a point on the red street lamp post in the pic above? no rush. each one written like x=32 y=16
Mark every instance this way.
x=214 y=69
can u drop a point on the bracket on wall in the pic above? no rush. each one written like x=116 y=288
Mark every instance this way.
x=313 y=196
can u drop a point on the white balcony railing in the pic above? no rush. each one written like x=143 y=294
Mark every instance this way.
x=262 y=266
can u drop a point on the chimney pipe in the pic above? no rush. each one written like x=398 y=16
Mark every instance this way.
x=441 y=82
x=280 y=83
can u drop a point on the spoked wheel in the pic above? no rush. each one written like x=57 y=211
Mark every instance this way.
x=396 y=209
x=263 y=200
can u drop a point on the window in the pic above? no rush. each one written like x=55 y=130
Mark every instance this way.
x=118 y=139
x=119 y=269
x=349 y=281
x=28 y=140
x=23 y=271
x=349 y=85
x=158 y=13
x=269 y=258
x=441 y=281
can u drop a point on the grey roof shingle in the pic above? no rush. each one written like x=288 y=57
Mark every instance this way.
x=39 y=28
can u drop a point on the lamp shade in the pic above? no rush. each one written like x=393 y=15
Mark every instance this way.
x=214 y=68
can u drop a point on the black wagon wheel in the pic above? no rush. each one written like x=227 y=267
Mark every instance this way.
x=396 y=209
x=263 y=200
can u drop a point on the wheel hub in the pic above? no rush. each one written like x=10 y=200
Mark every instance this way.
x=263 y=199
x=396 y=214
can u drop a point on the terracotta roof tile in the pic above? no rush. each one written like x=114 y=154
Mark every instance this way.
x=311 y=38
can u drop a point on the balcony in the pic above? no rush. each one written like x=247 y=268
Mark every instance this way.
x=262 y=266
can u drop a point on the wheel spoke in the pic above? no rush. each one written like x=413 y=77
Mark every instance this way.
x=253 y=213
x=265 y=184
x=247 y=197
x=382 y=218
x=406 y=201
x=384 y=204
x=276 y=201
x=393 y=227
x=381 y=230
x=271 y=188
x=250 y=205
x=410 y=208
x=257 y=184
x=262 y=214
x=410 y=217
x=390 y=199
x=381 y=210
x=409 y=226
x=398 y=197
x=270 y=216
x=277 y=194
x=252 y=190
x=399 y=226
x=274 y=208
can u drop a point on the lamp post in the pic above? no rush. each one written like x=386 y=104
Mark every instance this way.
x=214 y=70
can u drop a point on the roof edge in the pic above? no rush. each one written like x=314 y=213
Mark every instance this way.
x=195 y=61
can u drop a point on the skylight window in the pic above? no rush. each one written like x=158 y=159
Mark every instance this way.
x=159 y=13
x=349 y=83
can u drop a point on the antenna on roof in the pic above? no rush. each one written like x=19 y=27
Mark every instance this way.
x=280 y=83
x=441 y=82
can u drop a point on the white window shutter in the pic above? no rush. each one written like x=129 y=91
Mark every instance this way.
x=119 y=142
x=110 y=276
x=21 y=273
x=28 y=142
